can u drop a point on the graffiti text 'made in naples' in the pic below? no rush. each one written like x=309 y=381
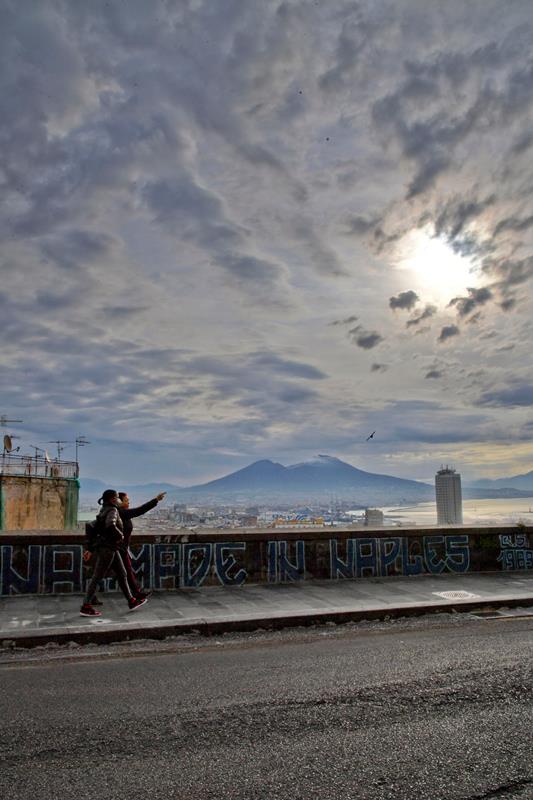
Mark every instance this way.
x=55 y=568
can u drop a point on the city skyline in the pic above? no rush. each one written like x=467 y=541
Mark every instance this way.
x=267 y=231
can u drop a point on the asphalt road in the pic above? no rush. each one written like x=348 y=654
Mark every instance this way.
x=436 y=711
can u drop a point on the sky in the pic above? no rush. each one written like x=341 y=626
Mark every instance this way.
x=245 y=229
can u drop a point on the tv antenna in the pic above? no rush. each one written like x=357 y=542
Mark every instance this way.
x=81 y=441
x=37 y=450
x=4 y=420
x=58 y=443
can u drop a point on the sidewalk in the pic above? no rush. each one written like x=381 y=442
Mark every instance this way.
x=31 y=620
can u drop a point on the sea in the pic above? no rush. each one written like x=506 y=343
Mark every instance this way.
x=475 y=512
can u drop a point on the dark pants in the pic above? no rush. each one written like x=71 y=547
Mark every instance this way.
x=132 y=579
x=106 y=559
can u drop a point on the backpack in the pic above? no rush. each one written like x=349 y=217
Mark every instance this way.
x=97 y=535
x=92 y=532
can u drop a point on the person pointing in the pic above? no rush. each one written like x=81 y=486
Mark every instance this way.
x=126 y=515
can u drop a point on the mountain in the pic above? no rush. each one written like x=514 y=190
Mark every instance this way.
x=321 y=475
x=92 y=488
x=522 y=482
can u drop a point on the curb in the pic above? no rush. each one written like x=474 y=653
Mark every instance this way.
x=205 y=627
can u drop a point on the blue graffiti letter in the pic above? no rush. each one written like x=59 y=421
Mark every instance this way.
x=340 y=568
x=27 y=559
x=457 y=553
x=196 y=563
x=289 y=571
x=413 y=563
x=166 y=566
x=224 y=563
x=62 y=568
x=366 y=557
x=434 y=564
x=389 y=550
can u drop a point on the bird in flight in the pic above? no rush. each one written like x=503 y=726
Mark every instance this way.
x=371 y=436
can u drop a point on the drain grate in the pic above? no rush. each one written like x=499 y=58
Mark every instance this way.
x=458 y=595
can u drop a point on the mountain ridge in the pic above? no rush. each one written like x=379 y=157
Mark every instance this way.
x=323 y=474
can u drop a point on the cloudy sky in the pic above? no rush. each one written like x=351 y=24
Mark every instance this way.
x=243 y=229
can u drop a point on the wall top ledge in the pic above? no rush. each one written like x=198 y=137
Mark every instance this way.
x=177 y=535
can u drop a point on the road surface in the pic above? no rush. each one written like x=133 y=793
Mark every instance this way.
x=439 y=710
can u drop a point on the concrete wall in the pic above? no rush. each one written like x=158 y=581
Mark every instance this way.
x=32 y=502
x=52 y=563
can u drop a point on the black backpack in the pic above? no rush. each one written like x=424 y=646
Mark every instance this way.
x=93 y=530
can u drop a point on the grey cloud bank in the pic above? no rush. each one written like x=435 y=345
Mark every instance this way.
x=256 y=230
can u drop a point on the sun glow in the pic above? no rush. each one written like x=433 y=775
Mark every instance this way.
x=438 y=272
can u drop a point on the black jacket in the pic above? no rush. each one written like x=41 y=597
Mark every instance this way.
x=109 y=527
x=127 y=514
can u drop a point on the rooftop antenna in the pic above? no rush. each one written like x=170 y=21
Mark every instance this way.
x=8 y=444
x=58 y=443
x=37 y=449
x=4 y=420
x=36 y=454
x=81 y=441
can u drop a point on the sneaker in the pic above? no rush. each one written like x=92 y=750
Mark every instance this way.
x=136 y=602
x=144 y=594
x=88 y=611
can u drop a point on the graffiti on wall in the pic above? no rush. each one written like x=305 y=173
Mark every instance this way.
x=398 y=555
x=60 y=568
x=515 y=553
x=51 y=569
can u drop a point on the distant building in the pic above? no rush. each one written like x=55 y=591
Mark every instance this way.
x=298 y=522
x=449 y=497
x=374 y=518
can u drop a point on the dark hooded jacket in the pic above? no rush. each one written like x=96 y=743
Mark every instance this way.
x=109 y=526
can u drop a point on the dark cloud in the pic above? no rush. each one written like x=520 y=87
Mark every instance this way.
x=457 y=213
x=354 y=36
x=359 y=225
x=296 y=394
x=433 y=373
x=509 y=272
x=428 y=312
x=476 y=297
x=379 y=368
x=513 y=224
x=520 y=395
x=404 y=300
x=72 y=250
x=323 y=257
x=347 y=321
x=363 y=338
x=508 y=304
x=448 y=332
x=282 y=365
x=117 y=312
x=429 y=141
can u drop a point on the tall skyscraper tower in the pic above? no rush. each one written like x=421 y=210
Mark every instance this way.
x=449 y=497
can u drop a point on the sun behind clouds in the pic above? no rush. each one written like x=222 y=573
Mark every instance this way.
x=437 y=272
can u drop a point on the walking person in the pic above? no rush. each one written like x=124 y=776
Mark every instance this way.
x=106 y=546
x=126 y=515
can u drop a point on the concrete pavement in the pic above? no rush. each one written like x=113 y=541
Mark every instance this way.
x=32 y=620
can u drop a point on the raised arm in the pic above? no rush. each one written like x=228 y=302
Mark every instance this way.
x=129 y=513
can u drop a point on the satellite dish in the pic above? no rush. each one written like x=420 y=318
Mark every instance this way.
x=8 y=444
